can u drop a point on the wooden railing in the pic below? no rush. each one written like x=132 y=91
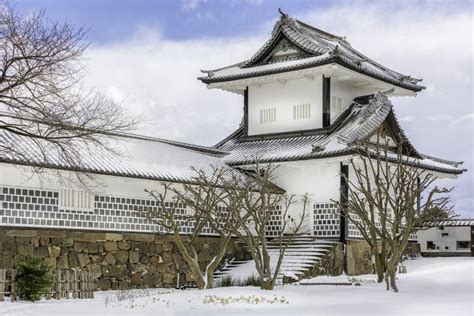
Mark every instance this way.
x=68 y=283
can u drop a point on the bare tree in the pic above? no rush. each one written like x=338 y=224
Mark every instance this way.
x=43 y=98
x=206 y=207
x=253 y=206
x=389 y=197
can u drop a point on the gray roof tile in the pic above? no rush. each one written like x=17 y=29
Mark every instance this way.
x=139 y=157
x=355 y=124
x=322 y=48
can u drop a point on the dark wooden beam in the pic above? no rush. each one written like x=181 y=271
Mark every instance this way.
x=246 y=111
x=326 y=101
x=344 y=195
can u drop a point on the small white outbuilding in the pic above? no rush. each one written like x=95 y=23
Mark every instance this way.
x=447 y=238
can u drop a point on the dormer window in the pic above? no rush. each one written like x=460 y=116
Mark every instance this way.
x=301 y=111
x=268 y=116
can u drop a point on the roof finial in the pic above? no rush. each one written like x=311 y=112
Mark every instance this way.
x=283 y=14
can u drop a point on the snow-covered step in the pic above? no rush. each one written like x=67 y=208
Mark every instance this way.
x=301 y=255
x=310 y=251
x=292 y=264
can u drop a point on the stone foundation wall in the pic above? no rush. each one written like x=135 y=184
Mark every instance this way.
x=332 y=263
x=358 y=257
x=116 y=260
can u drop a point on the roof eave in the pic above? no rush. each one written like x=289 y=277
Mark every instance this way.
x=335 y=59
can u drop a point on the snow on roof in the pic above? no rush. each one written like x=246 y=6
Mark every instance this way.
x=318 y=48
x=139 y=157
x=357 y=123
x=451 y=222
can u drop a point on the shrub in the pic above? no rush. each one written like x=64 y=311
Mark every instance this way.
x=226 y=281
x=252 y=280
x=33 y=279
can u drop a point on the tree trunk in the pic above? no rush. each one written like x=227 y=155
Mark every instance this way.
x=391 y=276
x=393 y=281
x=379 y=266
x=192 y=263
x=210 y=279
x=267 y=284
x=198 y=278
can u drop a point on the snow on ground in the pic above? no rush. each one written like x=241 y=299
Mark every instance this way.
x=432 y=286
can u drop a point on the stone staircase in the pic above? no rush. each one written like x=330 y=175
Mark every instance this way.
x=301 y=255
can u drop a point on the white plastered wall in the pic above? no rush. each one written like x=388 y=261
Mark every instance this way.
x=318 y=179
x=107 y=203
x=22 y=176
x=446 y=243
x=283 y=96
x=344 y=91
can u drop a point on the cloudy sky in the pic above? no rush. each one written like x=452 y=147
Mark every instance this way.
x=147 y=54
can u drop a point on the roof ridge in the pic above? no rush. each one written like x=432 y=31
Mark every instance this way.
x=229 y=137
x=199 y=148
x=313 y=42
x=185 y=145
x=446 y=161
x=321 y=33
x=285 y=18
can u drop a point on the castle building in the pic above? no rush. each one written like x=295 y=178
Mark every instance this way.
x=308 y=97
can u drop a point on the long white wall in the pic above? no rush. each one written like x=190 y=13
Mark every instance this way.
x=107 y=203
x=15 y=175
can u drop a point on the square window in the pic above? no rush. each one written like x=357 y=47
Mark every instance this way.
x=430 y=245
x=462 y=245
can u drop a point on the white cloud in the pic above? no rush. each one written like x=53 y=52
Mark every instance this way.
x=192 y=5
x=254 y=2
x=157 y=77
x=465 y=118
x=407 y=118
x=442 y=117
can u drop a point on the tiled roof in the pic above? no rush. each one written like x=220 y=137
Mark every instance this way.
x=320 y=48
x=139 y=157
x=357 y=123
x=451 y=222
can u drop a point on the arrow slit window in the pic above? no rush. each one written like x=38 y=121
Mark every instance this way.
x=301 y=111
x=268 y=115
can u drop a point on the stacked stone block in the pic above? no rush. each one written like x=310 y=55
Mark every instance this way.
x=116 y=260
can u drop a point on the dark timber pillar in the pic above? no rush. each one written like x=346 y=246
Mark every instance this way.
x=418 y=198
x=344 y=195
x=326 y=101
x=246 y=111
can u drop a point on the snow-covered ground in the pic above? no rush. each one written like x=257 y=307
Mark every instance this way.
x=432 y=286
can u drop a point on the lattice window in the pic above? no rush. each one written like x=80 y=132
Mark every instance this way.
x=268 y=115
x=301 y=111
x=275 y=224
x=326 y=220
x=75 y=199
x=336 y=104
